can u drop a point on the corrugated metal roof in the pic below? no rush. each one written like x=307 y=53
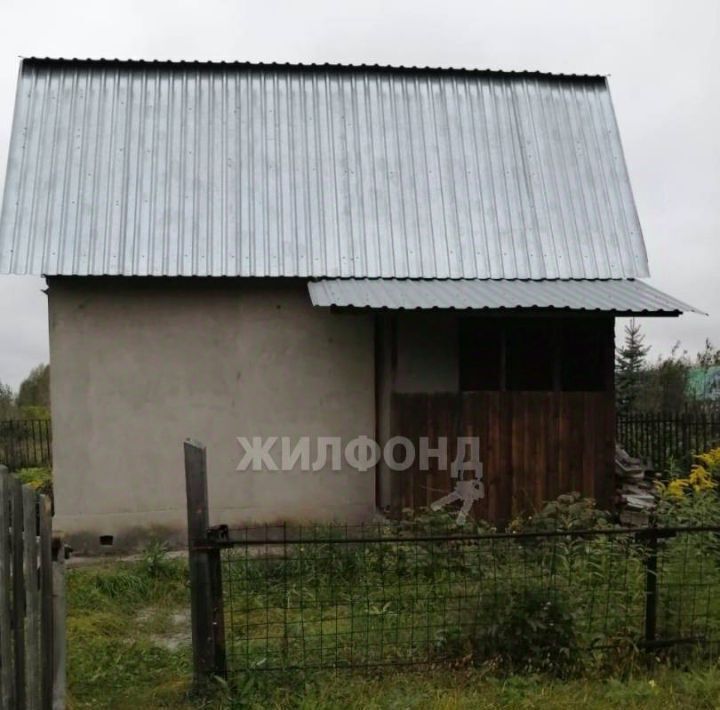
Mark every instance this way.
x=224 y=170
x=618 y=296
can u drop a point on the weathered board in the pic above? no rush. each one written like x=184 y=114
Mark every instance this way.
x=33 y=656
x=32 y=639
x=533 y=446
x=7 y=679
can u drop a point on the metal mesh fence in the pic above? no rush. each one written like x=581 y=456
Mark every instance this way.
x=370 y=596
x=669 y=439
x=25 y=443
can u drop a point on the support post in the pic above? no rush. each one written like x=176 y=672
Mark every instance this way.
x=385 y=486
x=205 y=574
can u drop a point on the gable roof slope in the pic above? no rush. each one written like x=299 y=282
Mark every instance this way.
x=168 y=169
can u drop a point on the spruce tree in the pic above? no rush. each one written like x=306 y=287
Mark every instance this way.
x=630 y=367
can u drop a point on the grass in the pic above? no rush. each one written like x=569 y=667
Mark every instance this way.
x=451 y=691
x=129 y=648
x=118 y=616
x=535 y=605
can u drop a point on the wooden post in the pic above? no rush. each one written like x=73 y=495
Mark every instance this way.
x=386 y=490
x=46 y=602
x=7 y=678
x=205 y=575
x=59 y=646
x=18 y=591
x=32 y=600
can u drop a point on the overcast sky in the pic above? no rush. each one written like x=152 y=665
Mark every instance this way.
x=662 y=56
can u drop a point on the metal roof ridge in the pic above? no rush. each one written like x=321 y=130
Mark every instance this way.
x=310 y=66
x=480 y=279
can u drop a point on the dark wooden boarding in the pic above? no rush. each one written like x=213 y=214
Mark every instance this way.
x=534 y=443
x=533 y=446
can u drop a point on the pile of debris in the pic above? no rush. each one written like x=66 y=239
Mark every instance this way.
x=637 y=493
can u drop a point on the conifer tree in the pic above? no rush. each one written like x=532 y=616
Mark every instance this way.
x=630 y=368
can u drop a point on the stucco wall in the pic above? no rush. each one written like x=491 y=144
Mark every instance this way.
x=139 y=365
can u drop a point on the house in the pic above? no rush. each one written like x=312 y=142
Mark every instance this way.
x=704 y=383
x=322 y=252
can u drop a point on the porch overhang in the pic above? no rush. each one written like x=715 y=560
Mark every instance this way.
x=616 y=296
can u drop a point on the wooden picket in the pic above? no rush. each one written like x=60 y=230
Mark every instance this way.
x=32 y=643
x=7 y=679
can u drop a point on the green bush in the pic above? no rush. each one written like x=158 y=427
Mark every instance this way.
x=35 y=411
x=692 y=499
x=38 y=478
x=155 y=561
x=570 y=511
x=702 y=508
x=531 y=630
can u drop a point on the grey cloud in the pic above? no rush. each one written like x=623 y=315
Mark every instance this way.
x=662 y=57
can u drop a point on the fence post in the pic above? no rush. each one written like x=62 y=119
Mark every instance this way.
x=33 y=667
x=205 y=575
x=651 y=587
x=18 y=591
x=59 y=553
x=7 y=679
x=47 y=642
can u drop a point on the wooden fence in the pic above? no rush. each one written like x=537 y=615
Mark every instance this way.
x=32 y=638
x=669 y=439
x=25 y=443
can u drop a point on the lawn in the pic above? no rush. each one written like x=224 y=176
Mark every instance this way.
x=128 y=636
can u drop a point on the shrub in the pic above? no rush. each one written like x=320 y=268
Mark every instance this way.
x=692 y=499
x=570 y=511
x=155 y=561
x=531 y=630
x=708 y=466
x=38 y=478
x=427 y=520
